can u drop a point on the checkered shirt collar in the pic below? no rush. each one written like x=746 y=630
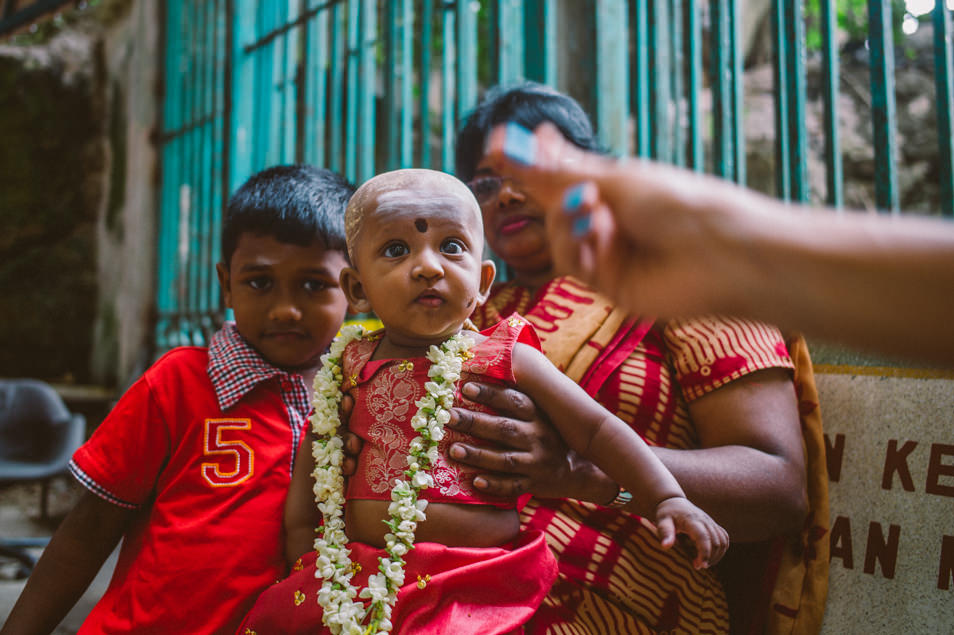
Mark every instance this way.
x=235 y=368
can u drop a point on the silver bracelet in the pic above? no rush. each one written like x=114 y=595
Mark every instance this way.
x=623 y=498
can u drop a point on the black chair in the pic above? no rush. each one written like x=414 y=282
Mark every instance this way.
x=38 y=436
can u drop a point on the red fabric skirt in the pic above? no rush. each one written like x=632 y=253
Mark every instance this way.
x=478 y=591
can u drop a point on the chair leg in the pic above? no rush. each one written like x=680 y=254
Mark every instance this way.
x=25 y=560
x=45 y=500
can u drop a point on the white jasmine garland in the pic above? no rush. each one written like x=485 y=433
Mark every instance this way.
x=342 y=614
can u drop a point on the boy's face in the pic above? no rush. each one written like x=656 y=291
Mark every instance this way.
x=418 y=264
x=286 y=298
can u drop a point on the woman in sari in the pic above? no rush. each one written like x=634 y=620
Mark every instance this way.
x=719 y=397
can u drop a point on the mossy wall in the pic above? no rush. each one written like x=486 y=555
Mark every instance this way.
x=78 y=179
x=50 y=126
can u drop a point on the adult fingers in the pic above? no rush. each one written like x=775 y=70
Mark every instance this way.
x=505 y=401
x=352 y=443
x=501 y=485
x=543 y=160
x=345 y=408
x=489 y=459
x=348 y=466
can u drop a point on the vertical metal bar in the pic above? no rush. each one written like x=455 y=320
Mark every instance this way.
x=243 y=98
x=833 y=165
x=510 y=26
x=393 y=71
x=425 y=31
x=407 y=83
x=316 y=79
x=721 y=90
x=661 y=81
x=639 y=18
x=205 y=177
x=466 y=56
x=880 y=39
x=612 y=74
x=219 y=152
x=351 y=108
x=738 y=95
x=677 y=101
x=782 y=171
x=170 y=156
x=191 y=261
x=261 y=89
x=291 y=87
x=540 y=37
x=945 y=103
x=694 y=26
x=367 y=89
x=798 y=139
x=448 y=63
x=336 y=127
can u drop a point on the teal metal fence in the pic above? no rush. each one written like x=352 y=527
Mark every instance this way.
x=361 y=86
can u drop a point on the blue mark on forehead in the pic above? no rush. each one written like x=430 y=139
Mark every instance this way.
x=421 y=225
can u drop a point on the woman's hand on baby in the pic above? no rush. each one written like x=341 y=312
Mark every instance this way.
x=676 y=516
x=526 y=454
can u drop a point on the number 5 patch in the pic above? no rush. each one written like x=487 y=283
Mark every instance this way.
x=232 y=462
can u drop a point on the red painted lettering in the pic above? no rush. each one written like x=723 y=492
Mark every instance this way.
x=937 y=469
x=841 y=542
x=881 y=550
x=834 y=453
x=946 y=569
x=896 y=460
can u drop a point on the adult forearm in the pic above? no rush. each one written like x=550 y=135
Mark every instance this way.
x=870 y=282
x=754 y=495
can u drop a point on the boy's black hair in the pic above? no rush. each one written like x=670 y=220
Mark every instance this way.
x=295 y=204
x=528 y=104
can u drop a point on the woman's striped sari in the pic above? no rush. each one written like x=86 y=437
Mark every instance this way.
x=614 y=577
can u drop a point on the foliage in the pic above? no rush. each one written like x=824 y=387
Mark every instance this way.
x=851 y=17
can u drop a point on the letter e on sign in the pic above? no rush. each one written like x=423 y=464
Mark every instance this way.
x=937 y=469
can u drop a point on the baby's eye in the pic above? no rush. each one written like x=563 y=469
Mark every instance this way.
x=453 y=247
x=259 y=284
x=395 y=250
x=315 y=286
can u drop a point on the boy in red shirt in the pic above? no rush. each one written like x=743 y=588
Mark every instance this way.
x=192 y=466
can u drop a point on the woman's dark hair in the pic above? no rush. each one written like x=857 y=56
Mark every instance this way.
x=528 y=104
x=295 y=204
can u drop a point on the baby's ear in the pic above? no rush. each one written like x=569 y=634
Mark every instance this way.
x=350 y=282
x=488 y=271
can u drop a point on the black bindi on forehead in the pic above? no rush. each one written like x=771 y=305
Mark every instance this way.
x=421 y=225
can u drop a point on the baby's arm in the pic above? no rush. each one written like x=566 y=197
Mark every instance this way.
x=87 y=536
x=301 y=512
x=593 y=431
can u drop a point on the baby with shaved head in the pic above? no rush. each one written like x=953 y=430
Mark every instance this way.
x=415 y=240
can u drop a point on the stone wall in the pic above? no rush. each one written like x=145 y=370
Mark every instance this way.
x=77 y=209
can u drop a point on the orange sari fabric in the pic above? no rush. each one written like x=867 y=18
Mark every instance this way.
x=613 y=576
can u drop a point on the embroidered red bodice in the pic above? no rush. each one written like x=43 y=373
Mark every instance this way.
x=385 y=392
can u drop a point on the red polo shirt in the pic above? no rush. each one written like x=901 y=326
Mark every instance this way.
x=202 y=446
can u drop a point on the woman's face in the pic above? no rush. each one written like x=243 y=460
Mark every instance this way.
x=513 y=223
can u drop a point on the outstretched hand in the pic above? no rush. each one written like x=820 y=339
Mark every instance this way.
x=639 y=231
x=676 y=515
